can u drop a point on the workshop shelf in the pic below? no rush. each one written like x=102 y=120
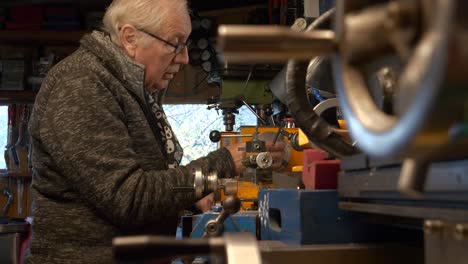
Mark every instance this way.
x=41 y=36
x=17 y=96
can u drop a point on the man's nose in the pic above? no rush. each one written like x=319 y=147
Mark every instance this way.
x=182 y=57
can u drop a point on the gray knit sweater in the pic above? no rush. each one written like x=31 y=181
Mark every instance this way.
x=100 y=169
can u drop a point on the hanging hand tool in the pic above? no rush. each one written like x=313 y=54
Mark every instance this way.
x=12 y=156
x=21 y=146
x=6 y=192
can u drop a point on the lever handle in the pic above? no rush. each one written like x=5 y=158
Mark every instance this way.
x=215 y=136
x=215 y=227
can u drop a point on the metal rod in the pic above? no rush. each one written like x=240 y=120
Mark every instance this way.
x=277 y=135
x=273 y=43
x=263 y=121
x=235 y=136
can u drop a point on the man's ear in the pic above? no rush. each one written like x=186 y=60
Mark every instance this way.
x=128 y=39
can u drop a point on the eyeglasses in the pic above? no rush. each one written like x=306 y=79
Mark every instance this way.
x=178 y=48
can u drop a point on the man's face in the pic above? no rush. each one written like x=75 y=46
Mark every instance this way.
x=160 y=60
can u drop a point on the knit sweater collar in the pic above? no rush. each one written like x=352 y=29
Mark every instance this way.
x=129 y=72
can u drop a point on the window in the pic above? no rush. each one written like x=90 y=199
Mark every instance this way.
x=192 y=124
x=3 y=133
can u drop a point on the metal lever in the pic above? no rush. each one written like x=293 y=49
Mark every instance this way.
x=273 y=44
x=215 y=136
x=263 y=121
x=215 y=227
x=6 y=192
x=283 y=132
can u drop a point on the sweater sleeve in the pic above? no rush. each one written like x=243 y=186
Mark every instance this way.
x=86 y=135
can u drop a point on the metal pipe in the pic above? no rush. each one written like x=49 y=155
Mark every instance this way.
x=280 y=44
x=272 y=43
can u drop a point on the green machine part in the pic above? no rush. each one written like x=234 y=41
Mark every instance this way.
x=256 y=92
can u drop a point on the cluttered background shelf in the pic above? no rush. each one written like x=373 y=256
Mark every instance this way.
x=26 y=96
x=35 y=37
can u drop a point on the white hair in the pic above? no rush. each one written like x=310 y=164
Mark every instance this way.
x=143 y=14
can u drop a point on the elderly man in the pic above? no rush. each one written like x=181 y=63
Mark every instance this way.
x=105 y=158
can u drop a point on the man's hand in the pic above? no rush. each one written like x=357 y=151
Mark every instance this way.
x=205 y=203
x=238 y=153
x=277 y=152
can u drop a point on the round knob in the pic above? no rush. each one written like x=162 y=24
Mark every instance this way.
x=215 y=136
x=264 y=160
x=232 y=204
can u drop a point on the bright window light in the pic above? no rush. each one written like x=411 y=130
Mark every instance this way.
x=192 y=124
x=3 y=133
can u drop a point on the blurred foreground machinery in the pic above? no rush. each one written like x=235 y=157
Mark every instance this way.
x=398 y=69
